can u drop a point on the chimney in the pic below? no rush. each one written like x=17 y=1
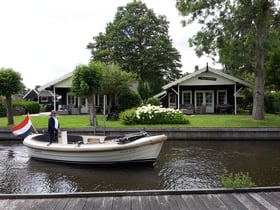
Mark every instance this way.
x=196 y=68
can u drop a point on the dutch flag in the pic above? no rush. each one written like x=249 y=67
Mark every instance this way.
x=24 y=128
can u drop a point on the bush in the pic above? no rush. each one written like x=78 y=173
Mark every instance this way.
x=3 y=110
x=151 y=114
x=128 y=116
x=128 y=99
x=30 y=107
x=272 y=102
x=238 y=180
x=153 y=101
x=43 y=108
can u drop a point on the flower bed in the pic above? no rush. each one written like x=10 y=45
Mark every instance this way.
x=151 y=114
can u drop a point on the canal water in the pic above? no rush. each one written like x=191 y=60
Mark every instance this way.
x=181 y=165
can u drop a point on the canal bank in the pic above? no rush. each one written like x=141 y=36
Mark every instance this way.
x=175 y=133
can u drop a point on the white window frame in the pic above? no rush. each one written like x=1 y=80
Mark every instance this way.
x=44 y=99
x=225 y=99
x=209 y=109
x=170 y=104
x=187 y=92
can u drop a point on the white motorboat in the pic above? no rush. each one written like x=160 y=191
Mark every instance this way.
x=85 y=149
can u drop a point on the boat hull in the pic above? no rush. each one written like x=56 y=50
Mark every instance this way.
x=145 y=151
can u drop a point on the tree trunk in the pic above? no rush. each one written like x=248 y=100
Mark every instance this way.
x=9 y=110
x=258 y=104
x=110 y=104
x=92 y=110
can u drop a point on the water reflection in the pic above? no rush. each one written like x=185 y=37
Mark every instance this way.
x=181 y=165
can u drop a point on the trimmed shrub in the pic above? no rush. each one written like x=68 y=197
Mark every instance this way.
x=128 y=99
x=128 y=116
x=30 y=107
x=153 y=101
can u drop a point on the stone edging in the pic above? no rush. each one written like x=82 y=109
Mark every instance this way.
x=177 y=133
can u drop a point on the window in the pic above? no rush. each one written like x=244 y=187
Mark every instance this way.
x=199 y=98
x=172 y=100
x=71 y=100
x=83 y=102
x=222 y=97
x=44 y=99
x=100 y=100
x=208 y=98
x=186 y=97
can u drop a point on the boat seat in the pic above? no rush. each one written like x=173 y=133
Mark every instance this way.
x=95 y=139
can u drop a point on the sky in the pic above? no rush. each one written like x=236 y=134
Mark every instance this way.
x=46 y=39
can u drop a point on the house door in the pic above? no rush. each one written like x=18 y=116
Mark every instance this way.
x=204 y=101
x=172 y=100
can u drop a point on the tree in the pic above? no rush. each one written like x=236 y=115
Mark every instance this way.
x=86 y=83
x=236 y=31
x=10 y=83
x=138 y=41
x=273 y=69
x=144 y=90
x=115 y=81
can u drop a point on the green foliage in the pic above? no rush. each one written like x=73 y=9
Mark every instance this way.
x=153 y=101
x=273 y=68
x=30 y=107
x=10 y=82
x=3 y=110
x=138 y=41
x=87 y=79
x=43 y=107
x=128 y=116
x=86 y=82
x=144 y=90
x=128 y=99
x=237 y=180
x=115 y=81
x=153 y=115
x=272 y=102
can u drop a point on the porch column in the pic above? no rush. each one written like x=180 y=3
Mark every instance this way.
x=235 y=106
x=54 y=98
x=178 y=95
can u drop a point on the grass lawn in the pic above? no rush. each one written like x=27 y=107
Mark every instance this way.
x=195 y=121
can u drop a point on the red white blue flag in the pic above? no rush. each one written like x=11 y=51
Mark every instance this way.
x=24 y=128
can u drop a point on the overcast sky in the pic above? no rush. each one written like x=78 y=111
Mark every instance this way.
x=44 y=40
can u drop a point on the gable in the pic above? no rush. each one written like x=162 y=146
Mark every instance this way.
x=32 y=94
x=64 y=81
x=207 y=78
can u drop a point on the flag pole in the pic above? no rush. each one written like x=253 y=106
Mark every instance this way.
x=32 y=124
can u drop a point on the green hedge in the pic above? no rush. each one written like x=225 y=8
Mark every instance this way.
x=30 y=107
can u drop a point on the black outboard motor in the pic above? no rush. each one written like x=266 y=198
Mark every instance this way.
x=132 y=137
